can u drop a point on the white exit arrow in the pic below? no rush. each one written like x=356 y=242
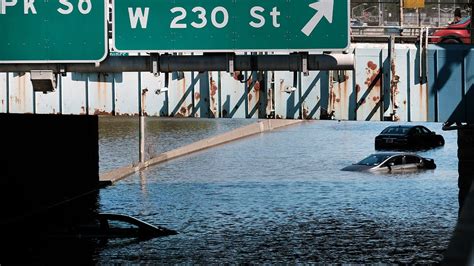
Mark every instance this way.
x=324 y=8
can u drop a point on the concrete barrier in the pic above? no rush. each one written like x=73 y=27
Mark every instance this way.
x=239 y=133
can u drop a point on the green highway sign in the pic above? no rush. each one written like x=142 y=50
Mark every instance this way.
x=230 y=25
x=53 y=31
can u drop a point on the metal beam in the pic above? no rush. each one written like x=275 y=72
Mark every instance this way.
x=206 y=62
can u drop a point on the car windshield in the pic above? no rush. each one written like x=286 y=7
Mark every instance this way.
x=464 y=20
x=396 y=130
x=374 y=159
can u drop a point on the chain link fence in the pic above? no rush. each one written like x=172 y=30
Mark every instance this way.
x=436 y=13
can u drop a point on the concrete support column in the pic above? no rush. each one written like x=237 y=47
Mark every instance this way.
x=461 y=247
x=466 y=163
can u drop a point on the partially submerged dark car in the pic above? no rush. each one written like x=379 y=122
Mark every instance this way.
x=111 y=225
x=390 y=162
x=408 y=138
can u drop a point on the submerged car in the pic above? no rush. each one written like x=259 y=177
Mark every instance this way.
x=408 y=138
x=392 y=162
x=454 y=33
x=111 y=226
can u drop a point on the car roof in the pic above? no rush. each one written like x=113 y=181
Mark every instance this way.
x=397 y=130
x=402 y=126
x=407 y=127
x=394 y=153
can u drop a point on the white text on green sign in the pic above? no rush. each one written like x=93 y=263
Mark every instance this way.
x=146 y=25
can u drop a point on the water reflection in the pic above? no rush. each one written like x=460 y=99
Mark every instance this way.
x=143 y=181
x=119 y=136
x=275 y=197
x=280 y=197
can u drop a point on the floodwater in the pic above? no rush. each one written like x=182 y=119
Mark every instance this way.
x=277 y=197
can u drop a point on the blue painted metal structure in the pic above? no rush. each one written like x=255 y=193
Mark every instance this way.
x=452 y=88
x=387 y=83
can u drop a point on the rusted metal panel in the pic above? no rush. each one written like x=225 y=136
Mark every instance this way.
x=201 y=93
x=432 y=91
x=3 y=93
x=100 y=89
x=286 y=95
x=181 y=93
x=448 y=84
x=126 y=92
x=386 y=90
x=311 y=99
x=74 y=93
x=401 y=81
x=380 y=79
x=270 y=101
x=48 y=103
x=368 y=82
x=20 y=93
x=256 y=95
x=417 y=106
x=452 y=76
x=214 y=83
x=155 y=102
x=233 y=95
x=341 y=102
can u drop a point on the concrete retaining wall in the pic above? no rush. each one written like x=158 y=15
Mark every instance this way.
x=259 y=127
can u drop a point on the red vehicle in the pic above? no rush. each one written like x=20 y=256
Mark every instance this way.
x=454 y=33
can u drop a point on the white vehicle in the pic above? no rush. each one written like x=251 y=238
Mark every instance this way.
x=392 y=162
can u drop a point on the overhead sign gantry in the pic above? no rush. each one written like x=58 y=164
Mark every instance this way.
x=51 y=37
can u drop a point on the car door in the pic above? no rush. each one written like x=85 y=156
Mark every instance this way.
x=411 y=163
x=417 y=137
x=428 y=136
x=394 y=164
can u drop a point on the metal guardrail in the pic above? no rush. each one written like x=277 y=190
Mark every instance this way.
x=402 y=34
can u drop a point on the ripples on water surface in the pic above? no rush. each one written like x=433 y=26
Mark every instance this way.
x=280 y=197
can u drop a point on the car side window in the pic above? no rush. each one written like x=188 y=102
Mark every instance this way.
x=121 y=224
x=425 y=130
x=417 y=131
x=412 y=159
x=395 y=161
